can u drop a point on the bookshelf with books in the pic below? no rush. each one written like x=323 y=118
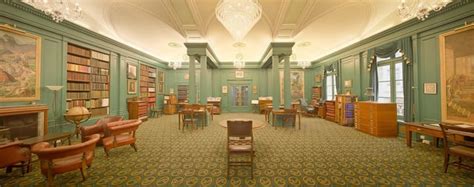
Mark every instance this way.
x=148 y=85
x=330 y=107
x=87 y=80
x=345 y=109
x=182 y=93
x=316 y=95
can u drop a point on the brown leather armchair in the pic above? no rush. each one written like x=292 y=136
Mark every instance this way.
x=57 y=160
x=121 y=133
x=13 y=155
x=98 y=127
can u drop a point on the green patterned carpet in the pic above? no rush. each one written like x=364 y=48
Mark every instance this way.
x=321 y=153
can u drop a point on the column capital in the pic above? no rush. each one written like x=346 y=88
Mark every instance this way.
x=280 y=49
x=202 y=49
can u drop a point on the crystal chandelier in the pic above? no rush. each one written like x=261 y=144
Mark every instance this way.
x=303 y=64
x=57 y=9
x=239 y=61
x=420 y=8
x=238 y=16
x=175 y=63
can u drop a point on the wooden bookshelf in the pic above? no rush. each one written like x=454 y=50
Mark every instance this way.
x=316 y=95
x=183 y=93
x=330 y=107
x=148 y=85
x=345 y=109
x=88 y=81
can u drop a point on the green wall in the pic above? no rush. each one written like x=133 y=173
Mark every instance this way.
x=54 y=40
x=426 y=55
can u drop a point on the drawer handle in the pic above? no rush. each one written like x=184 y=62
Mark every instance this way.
x=418 y=129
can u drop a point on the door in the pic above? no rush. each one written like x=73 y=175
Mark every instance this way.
x=239 y=98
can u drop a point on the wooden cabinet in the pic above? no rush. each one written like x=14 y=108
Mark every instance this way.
x=378 y=119
x=345 y=109
x=216 y=104
x=330 y=107
x=263 y=102
x=170 y=104
x=138 y=110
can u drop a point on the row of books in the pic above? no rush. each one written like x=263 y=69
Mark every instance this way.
x=78 y=86
x=78 y=95
x=78 y=60
x=99 y=71
x=99 y=111
x=78 y=68
x=99 y=94
x=100 y=78
x=100 y=86
x=78 y=51
x=72 y=76
x=93 y=103
x=100 y=56
x=100 y=64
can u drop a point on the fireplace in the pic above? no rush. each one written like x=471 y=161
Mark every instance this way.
x=23 y=122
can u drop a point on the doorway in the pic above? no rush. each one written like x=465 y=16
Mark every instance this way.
x=239 y=97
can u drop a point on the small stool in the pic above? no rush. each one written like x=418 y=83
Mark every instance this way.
x=156 y=112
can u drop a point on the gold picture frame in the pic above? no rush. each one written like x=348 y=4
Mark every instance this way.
x=20 y=65
x=131 y=86
x=456 y=69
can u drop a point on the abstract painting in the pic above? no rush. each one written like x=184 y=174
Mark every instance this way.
x=457 y=75
x=20 y=63
x=296 y=86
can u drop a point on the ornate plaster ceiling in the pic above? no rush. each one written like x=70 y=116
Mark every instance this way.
x=318 y=27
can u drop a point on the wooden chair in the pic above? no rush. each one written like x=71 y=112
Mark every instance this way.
x=453 y=146
x=200 y=113
x=240 y=141
x=188 y=118
x=156 y=112
x=121 y=133
x=56 y=160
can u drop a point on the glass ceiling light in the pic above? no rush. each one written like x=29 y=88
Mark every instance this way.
x=420 y=8
x=238 y=16
x=300 y=63
x=57 y=9
x=239 y=61
x=176 y=62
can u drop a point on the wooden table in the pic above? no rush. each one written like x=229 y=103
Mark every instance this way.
x=283 y=113
x=255 y=123
x=423 y=128
x=201 y=112
x=47 y=138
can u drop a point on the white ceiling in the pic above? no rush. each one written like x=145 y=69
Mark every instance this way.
x=318 y=27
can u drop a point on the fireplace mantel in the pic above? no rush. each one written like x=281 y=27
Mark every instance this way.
x=27 y=109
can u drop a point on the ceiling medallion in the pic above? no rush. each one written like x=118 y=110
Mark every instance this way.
x=303 y=44
x=239 y=45
x=420 y=8
x=238 y=16
x=174 y=45
x=57 y=9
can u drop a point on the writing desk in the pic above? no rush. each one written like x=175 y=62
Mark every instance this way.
x=284 y=113
x=201 y=113
x=424 y=128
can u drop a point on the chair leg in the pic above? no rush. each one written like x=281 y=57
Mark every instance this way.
x=83 y=174
x=8 y=169
x=459 y=162
x=446 y=162
x=228 y=164
x=106 y=152
x=251 y=163
x=134 y=146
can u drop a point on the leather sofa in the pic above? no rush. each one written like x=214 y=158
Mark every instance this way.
x=121 y=133
x=13 y=155
x=98 y=127
x=57 y=160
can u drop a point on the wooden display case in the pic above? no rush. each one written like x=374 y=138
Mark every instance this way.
x=345 y=109
x=138 y=110
x=330 y=110
x=170 y=104
x=216 y=104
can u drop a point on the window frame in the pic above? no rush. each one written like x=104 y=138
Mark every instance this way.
x=334 y=85
x=393 y=90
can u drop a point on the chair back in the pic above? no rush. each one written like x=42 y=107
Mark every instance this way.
x=239 y=129
x=196 y=106
x=451 y=130
x=303 y=102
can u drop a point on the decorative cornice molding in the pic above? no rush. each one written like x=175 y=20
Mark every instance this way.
x=395 y=29
x=67 y=24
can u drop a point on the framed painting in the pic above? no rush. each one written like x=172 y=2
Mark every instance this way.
x=20 y=65
x=131 y=71
x=131 y=86
x=161 y=82
x=429 y=88
x=296 y=86
x=239 y=74
x=457 y=75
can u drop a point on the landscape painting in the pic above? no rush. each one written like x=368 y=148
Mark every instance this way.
x=19 y=65
x=457 y=75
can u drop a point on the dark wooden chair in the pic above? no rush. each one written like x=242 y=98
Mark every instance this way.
x=456 y=146
x=188 y=118
x=240 y=141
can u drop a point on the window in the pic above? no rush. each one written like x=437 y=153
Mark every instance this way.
x=331 y=89
x=390 y=81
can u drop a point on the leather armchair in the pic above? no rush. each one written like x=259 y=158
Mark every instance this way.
x=121 y=133
x=13 y=155
x=307 y=109
x=98 y=127
x=57 y=160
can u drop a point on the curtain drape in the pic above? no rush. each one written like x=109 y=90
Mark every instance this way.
x=406 y=47
x=339 y=86
x=372 y=67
